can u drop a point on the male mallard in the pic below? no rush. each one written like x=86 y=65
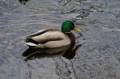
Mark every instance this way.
x=53 y=41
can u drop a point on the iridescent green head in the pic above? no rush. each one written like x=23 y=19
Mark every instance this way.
x=67 y=26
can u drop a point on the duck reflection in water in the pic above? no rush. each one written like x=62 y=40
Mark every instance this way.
x=31 y=53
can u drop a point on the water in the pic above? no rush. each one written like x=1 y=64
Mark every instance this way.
x=97 y=58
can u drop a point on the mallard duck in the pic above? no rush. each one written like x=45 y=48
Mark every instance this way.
x=54 y=41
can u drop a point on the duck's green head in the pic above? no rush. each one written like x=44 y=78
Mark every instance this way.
x=68 y=26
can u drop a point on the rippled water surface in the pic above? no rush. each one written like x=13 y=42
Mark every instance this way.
x=97 y=58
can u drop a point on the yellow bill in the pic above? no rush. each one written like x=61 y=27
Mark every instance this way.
x=77 y=29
